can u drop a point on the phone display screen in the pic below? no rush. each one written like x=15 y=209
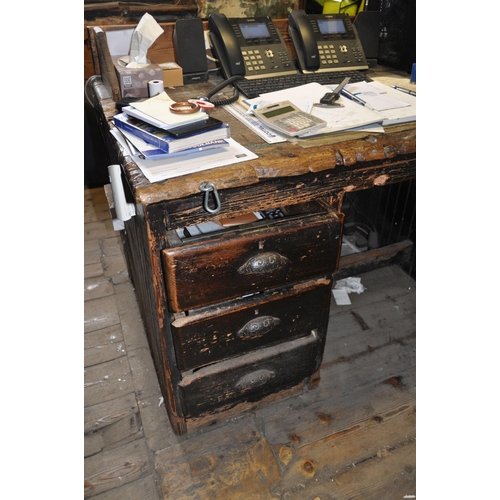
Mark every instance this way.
x=331 y=26
x=254 y=30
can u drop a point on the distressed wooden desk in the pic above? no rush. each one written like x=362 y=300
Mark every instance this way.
x=238 y=318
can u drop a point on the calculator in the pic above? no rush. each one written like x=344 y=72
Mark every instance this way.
x=288 y=119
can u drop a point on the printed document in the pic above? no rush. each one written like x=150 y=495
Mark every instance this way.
x=162 y=169
x=351 y=115
x=395 y=106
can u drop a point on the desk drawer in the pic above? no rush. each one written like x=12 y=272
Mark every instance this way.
x=242 y=325
x=238 y=262
x=250 y=377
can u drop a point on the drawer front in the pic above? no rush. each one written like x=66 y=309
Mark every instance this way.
x=240 y=326
x=251 y=377
x=242 y=262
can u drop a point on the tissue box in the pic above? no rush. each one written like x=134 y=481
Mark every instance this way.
x=172 y=74
x=134 y=81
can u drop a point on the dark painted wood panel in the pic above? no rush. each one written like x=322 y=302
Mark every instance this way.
x=234 y=264
x=250 y=377
x=241 y=326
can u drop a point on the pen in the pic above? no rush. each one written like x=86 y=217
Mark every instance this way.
x=355 y=98
x=406 y=91
x=251 y=108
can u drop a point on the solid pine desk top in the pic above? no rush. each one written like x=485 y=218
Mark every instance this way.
x=304 y=169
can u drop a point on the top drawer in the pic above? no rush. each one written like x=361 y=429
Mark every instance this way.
x=250 y=258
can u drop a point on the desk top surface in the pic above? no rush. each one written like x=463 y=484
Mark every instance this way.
x=295 y=158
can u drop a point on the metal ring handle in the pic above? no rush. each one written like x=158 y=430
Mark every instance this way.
x=206 y=187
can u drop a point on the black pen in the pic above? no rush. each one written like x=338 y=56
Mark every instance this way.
x=355 y=98
x=406 y=91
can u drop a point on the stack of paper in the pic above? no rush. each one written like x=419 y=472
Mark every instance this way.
x=156 y=111
x=181 y=164
x=395 y=106
x=386 y=106
x=350 y=116
x=154 y=142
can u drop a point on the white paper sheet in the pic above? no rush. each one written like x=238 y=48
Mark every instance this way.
x=160 y=170
x=341 y=297
x=254 y=124
x=352 y=115
x=394 y=105
x=195 y=162
x=377 y=97
x=157 y=112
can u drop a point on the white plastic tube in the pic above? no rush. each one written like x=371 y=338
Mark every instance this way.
x=124 y=211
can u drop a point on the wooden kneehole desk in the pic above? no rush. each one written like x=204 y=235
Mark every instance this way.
x=238 y=318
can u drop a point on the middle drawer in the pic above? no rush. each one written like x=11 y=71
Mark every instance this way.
x=239 y=326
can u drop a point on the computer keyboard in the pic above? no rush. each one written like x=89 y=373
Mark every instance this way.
x=254 y=88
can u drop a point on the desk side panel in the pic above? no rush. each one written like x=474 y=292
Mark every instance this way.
x=142 y=240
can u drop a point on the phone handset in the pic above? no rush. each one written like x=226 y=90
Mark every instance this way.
x=304 y=41
x=225 y=45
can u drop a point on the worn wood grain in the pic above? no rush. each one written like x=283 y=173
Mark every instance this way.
x=320 y=467
x=376 y=153
x=221 y=386
x=342 y=398
x=359 y=263
x=142 y=252
x=105 y=381
x=122 y=431
x=144 y=488
x=273 y=163
x=309 y=250
x=116 y=467
x=103 y=345
x=235 y=328
x=213 y=466
x=353 y=436
x=106 y=413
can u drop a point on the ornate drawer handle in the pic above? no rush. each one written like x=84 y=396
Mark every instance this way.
x=264 y=263
x=257 y=327
x=254 y=379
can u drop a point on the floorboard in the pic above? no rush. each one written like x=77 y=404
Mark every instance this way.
x=351 y=437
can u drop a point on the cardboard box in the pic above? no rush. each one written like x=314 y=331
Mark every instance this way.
x=172 y=74
x=134 y=81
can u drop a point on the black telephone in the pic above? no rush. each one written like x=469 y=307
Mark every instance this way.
x=325 y=42
x=249 y=47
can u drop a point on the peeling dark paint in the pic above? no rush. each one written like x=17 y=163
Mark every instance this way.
x=276 y=9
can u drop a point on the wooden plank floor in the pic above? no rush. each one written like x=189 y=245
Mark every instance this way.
x=353 y=437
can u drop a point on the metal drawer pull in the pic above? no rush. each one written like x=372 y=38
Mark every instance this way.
x=264 y=263
x=254 y=379
x=258 y=327
x=206 y=187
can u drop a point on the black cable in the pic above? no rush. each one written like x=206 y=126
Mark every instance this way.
x=224 y=84
x=357 y=3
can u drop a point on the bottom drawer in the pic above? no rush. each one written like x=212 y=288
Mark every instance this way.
x=250 y=377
